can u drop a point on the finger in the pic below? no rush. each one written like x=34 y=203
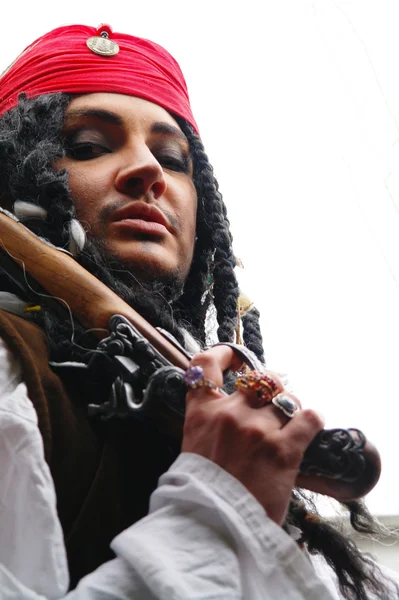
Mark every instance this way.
x=228 y=357
x=215 y=360
x=206 y=369
x=294 y=438
x=273 y=417
x=303 y=427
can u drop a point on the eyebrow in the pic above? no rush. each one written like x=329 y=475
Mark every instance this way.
x=108 y=116
x=99 y=113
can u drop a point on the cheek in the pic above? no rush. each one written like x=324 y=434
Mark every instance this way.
x=85 y=193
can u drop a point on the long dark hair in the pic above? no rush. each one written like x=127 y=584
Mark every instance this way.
x=30 y=142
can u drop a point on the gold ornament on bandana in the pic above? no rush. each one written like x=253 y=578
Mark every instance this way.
x=102 y=45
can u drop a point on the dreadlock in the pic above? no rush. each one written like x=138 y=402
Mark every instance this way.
x=357 y=574
x=214 y=260
x=30 y=142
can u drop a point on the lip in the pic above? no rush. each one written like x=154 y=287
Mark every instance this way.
x=143 y=217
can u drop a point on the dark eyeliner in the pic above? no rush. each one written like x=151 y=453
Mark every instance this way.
x=179 y=162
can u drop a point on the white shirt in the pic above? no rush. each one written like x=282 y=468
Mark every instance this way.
x=205 y=537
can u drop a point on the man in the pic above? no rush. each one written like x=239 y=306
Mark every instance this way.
x=102 y=157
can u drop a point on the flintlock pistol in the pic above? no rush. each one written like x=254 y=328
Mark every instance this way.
x=148 y=364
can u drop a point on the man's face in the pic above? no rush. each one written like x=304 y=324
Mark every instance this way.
x=130 y=175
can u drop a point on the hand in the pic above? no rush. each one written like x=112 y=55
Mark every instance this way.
x=259 y=446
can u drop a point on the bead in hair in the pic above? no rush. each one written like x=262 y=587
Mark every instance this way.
x=27 y=210
x=77 y=237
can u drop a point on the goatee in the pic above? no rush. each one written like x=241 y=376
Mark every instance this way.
x=152 y=299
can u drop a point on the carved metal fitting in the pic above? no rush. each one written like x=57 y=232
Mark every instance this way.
x=336 y=454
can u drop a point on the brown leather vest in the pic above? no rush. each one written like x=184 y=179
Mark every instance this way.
x=104 y=472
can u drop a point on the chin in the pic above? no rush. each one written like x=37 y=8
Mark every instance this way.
x=144 y=257
x=147 y=270
x=143 y=265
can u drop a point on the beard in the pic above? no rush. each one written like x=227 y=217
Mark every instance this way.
x=127 y=280
x=153 y=299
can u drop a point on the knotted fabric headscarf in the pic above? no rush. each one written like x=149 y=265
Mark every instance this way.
x=62 y=61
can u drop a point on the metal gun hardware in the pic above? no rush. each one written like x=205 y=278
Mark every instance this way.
x=146 y=386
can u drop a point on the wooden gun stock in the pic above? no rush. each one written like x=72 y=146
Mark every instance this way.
x=92 y=303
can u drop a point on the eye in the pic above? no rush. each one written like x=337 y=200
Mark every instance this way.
x=174 y=161
x=86 y=150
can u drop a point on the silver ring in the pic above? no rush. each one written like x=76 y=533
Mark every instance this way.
x=194 y=378
x=286 y=404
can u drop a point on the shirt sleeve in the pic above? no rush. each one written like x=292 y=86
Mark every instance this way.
x=31 y=541
x=205 y=537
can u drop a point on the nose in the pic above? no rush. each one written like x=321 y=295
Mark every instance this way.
x=140 y=174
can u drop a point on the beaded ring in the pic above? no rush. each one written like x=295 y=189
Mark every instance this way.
x=258 y=381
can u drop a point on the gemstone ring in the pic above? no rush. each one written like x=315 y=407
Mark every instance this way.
x=194 y=378
x=286 y=404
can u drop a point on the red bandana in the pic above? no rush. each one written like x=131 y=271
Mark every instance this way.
x=78 y=59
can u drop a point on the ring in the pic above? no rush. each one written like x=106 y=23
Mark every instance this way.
x=284 y=403
x=265 y=387
x=194 y=378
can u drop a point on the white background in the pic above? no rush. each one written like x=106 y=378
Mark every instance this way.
x=298 y=106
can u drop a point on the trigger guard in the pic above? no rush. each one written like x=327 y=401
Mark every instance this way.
x=246 y=355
